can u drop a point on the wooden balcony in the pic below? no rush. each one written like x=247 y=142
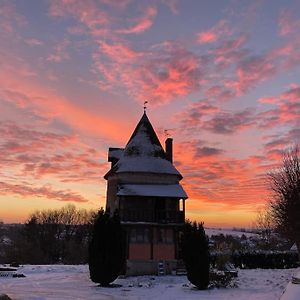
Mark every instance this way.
x=153 y=216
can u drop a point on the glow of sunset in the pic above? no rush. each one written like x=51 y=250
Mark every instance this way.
x=222 y=77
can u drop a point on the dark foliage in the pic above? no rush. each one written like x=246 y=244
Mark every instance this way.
x=49 y=236
x=285 y=206
x=265 y=260
x=195 y=254
x=255 y=259
x=221 y=279
x=107 y=249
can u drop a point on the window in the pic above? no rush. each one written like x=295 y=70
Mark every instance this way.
x=164 y=236
x=139 y=235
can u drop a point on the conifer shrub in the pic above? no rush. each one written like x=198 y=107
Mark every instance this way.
x=195 y=254
x=107 y=249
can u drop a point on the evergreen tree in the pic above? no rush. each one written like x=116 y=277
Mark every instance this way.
x=107 y=249
x=195 y=254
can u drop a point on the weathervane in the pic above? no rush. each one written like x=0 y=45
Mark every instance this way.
x=167 y=134
x=145 y=107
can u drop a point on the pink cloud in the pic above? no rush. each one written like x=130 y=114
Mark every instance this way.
x=251 y=71
x=28 y=94
x=218 y=178
x=10 y=19
x=196 y=112
x=46 y=191
x=163 y=79
x=278 y=142
x=119 y=52
x=60 y=52
x=292 y=95
x=160 y=75
x=212 y=35
x=229 y=123
x=220 y=93
x=287 y=24
x=36 y=154
x=226 y=55
x=87 y=12
x=143 y=23
x=206 y=37
x=208 y=117
x=287 y=109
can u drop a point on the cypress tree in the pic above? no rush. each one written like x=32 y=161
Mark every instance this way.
x=195 y=254
x=107 y=248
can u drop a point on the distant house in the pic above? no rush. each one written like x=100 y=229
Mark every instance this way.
x=143 y=185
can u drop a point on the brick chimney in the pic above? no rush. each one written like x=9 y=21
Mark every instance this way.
x=169 y=149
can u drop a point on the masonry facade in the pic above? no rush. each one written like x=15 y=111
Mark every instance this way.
x=144 y=186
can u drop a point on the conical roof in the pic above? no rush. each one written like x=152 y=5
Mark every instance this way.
x=144 y=141
x=144 y=152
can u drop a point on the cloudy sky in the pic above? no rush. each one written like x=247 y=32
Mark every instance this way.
x=222 y=77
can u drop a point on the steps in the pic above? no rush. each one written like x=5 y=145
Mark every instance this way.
x=161 y=268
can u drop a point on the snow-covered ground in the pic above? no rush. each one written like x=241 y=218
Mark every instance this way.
x=292 y=291
x=72 y=282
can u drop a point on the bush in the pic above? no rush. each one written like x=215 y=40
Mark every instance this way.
x=195 y=254
x=221 y=279
x=265 y=260
x=107 y=249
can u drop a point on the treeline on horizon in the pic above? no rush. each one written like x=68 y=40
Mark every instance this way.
x=48 y=237
x=63 y=235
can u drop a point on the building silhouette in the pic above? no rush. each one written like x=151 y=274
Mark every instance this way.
x=143 y=185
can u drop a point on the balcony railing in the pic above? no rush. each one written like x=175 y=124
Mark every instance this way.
x=157 y=216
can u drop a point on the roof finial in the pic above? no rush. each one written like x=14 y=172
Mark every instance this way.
x=166 y=132
x=145 y=107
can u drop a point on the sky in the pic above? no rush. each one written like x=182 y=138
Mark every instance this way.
x=220 y=77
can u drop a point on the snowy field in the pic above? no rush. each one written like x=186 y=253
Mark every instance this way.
x=72 y=282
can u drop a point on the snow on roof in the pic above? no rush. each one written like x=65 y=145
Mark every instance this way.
x=154 y=190
x=145 y=164
x=144 y=141
x=144 y=153
x=294 y=248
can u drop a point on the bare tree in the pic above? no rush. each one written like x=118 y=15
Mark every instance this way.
x=264 y=224
x=285 y=204
x=60 y=235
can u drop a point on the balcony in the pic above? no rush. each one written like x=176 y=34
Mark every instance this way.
x=153 y=216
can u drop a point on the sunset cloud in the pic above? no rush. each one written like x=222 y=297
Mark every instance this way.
x=287 y=110
x=288 y=23
x=60 y=52
x=143 y=23
x=40 y=154
x=212 y=35
x=210 y=118
x=74 y=75
x=252 y=71
x=161 y=75
x=27 y=190
x=10 y=19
